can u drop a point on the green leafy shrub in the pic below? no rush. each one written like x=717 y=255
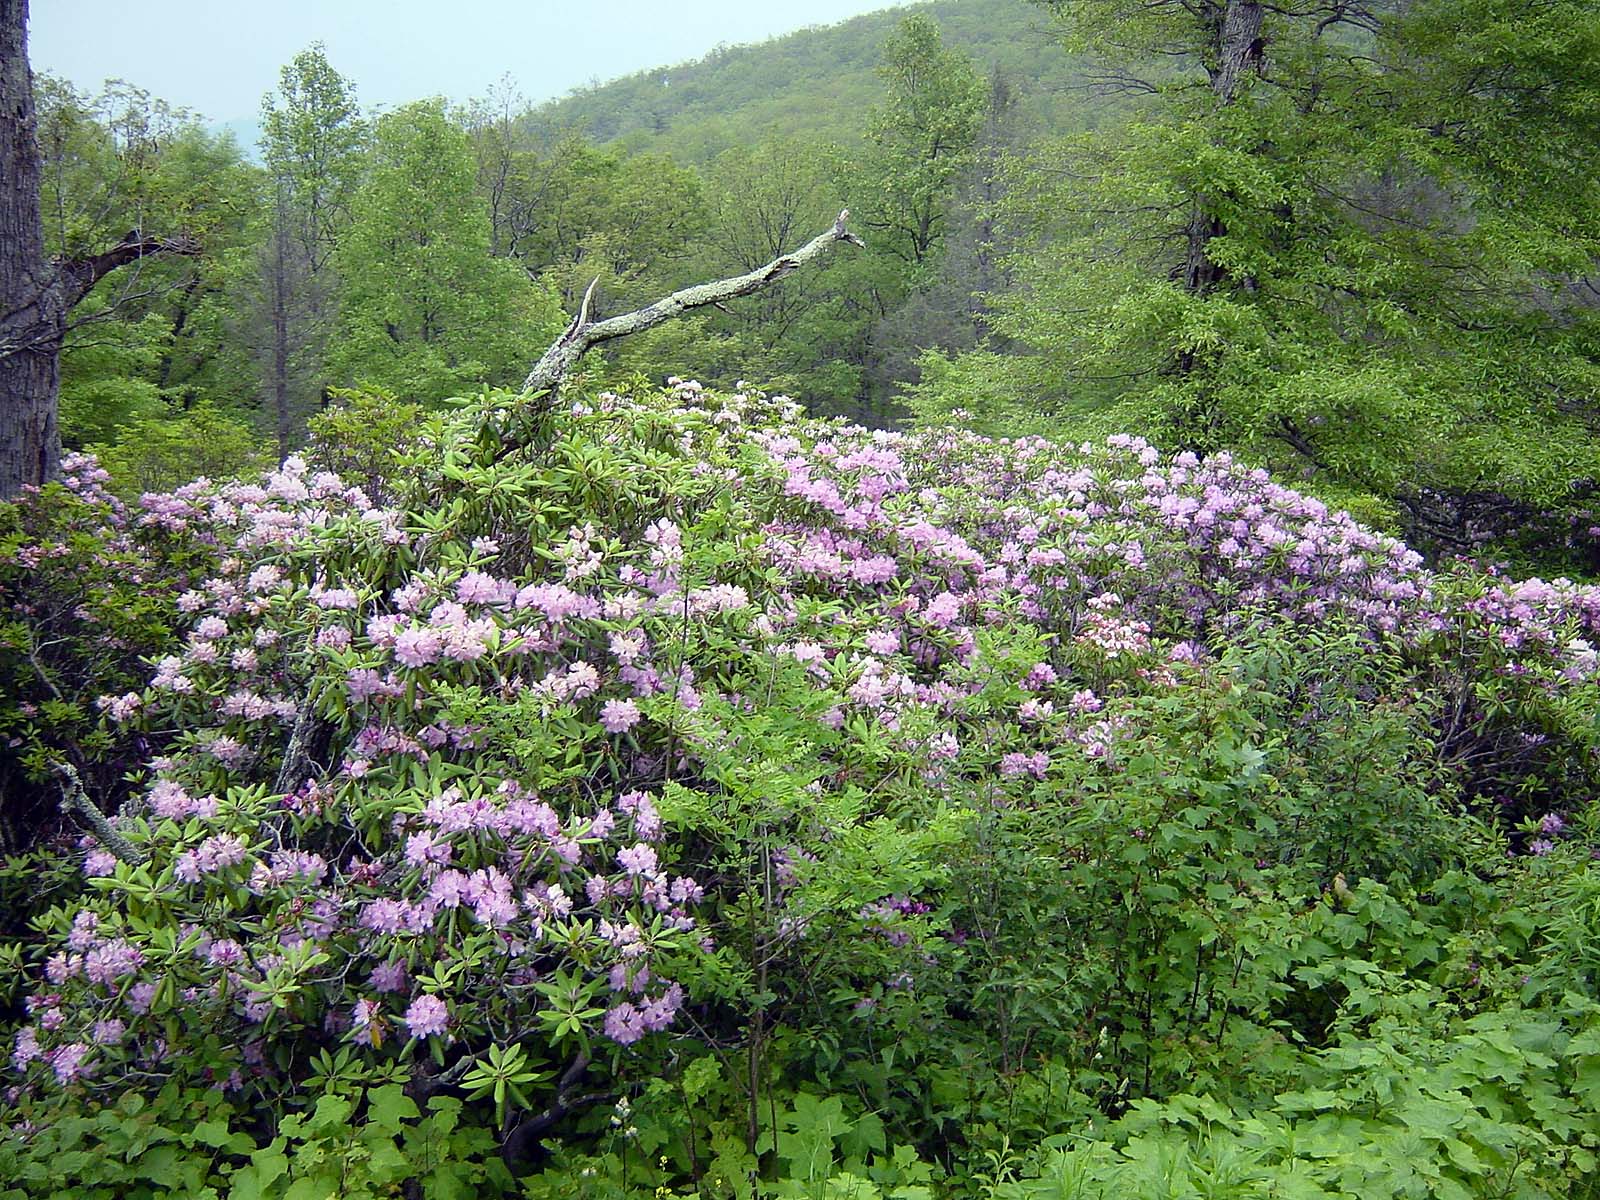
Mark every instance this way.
x=960 y=792
x=87 y=593
x=192 y=1143
x=157 y=454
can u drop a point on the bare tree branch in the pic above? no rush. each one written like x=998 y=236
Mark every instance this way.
x=583 y=335
x=24 y=330
x=74 y=800
x=78 y=275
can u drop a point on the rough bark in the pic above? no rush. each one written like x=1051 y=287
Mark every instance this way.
x=32 y=312
x=35 y=294
x=1239 y=47
x=583 y=335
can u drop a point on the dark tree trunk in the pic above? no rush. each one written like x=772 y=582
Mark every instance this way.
x=36 y=294
x=1239 y=51
x=33 y=310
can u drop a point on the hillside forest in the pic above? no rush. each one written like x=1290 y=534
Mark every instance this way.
x=1072 y=673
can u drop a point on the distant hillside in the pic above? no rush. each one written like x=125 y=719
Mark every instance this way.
x=816 y=83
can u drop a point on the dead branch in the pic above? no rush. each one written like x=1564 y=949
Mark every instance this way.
x=73 y=799
x=583 y=335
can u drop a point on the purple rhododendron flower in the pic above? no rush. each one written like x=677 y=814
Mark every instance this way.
x=637 y=859
x=624 y=1024
x=427 y=1017
x=619 y=716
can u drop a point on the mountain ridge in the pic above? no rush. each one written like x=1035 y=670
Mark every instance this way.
x=813 y=84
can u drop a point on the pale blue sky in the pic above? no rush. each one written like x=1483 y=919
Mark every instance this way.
x=219 y=56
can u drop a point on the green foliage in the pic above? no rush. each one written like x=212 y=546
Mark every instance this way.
x=361 y=435
x=814 y=84
x=923 y=137
x=1245 y=914
x=83 y=601
x=314 y=141
x=622 y=220
x=1286 y=903
x=160 y=453
x=424 y=307
x=153 y=337
x=192 y=1143
x=1498 y=1108
x=312 y=135
x=1343 y=269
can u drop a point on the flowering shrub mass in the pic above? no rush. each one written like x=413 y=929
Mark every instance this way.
x=464 y=769
x=83 y=600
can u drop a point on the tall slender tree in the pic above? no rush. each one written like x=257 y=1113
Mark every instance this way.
x=313 y=139
x=922 y=138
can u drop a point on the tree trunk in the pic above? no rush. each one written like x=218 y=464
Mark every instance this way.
x=35 y=294
x=1239 y=47
x=280 y=326
x=1239 y=51
x=30 y=442
x=33 y=310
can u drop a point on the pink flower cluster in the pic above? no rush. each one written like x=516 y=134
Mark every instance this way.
x=482 y=739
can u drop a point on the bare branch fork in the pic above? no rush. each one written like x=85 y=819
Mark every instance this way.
x=78 y=275
x=73 y=278
x=583 y=335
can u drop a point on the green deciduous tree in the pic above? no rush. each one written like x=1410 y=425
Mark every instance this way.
x=426 y=310
x=629 y=221
x=1344 y=237
x=313 y=138
x=155 y=338
x=922 y=138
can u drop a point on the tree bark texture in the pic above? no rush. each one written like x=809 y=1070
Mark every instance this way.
x=1239 y=47
x=32 y=305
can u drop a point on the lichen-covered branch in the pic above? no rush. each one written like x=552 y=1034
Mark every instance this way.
x=73 y=799
x=297 y=755
x=583 y=335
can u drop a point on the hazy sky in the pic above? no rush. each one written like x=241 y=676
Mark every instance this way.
x=219 y=56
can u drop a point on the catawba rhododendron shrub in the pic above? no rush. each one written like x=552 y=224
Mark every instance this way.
x=468 y=769
x=85 y=597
